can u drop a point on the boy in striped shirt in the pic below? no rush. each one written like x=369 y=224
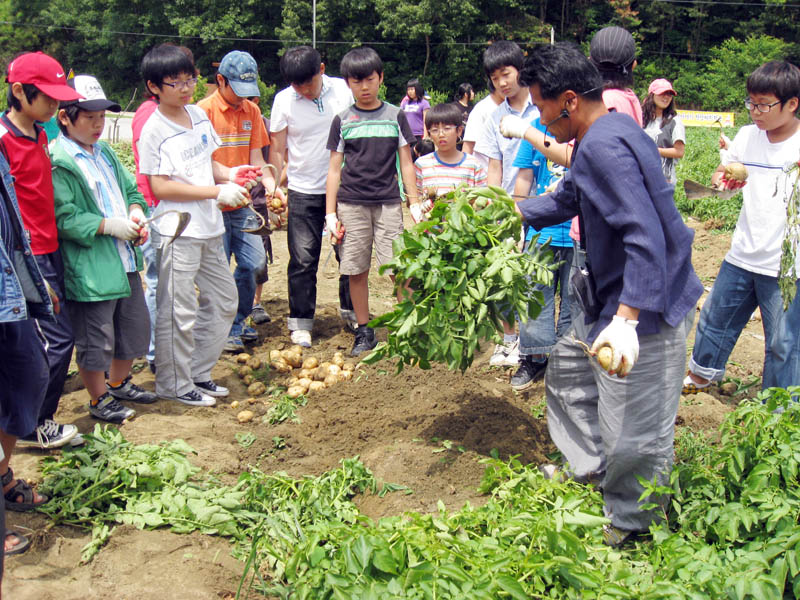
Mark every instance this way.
x=448 y=167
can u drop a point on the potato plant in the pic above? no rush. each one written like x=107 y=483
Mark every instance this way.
x=467 y=276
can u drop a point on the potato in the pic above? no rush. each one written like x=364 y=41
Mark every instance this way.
x=297 y=349
x=245 y=416
x=256 y=389
x=338 y=361
x=309 y=373
x=316 y=386
x=295 y=391
x=325 y=364
x=338 y=354
x=293 y=381
x=248 y=379
x=245 y=370
x=345 y=375
x=348 y=367
x=320 y=373
x=254 y=362
x=604 y=356
x=242 y=357
x=276 y=203
x=311 y=362
x=281 y=366
x=331 y=379
x=333 y=369
x=736 y=171
x=252 y=400
x=292 y=358
x=274 y=355
x=304 y=382
x=235 y=404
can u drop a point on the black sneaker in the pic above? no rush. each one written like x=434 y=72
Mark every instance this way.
x=529 y=372
x=209 y=388
x=108 y=409
x=365 y=340
x=131 y=392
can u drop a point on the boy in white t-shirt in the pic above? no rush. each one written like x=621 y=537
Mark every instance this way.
x=175 y=153
x=748 y=277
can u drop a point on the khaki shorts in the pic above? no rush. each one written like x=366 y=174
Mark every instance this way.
x=363 y=224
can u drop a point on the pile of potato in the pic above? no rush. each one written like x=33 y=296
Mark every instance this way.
x=311 y=375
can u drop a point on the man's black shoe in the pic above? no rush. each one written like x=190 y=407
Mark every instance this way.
x=365 y=340
x=529 y=372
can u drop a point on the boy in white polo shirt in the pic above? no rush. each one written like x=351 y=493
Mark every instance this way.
x=175 y=150
x=301 y=119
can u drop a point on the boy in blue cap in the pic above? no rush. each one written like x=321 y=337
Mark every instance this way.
x=241 y=130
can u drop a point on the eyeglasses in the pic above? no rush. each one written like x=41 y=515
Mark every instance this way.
x=444 y=129
x=762 y=108
x=184 y=84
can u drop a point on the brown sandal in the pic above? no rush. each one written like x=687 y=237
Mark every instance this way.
x=20 y=497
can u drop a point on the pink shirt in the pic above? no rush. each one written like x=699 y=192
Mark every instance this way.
x=143 y=113
x=625 y=102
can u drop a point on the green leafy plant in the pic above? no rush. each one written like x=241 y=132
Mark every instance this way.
x=467 y=276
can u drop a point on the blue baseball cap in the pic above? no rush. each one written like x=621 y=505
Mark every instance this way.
x=241 y=71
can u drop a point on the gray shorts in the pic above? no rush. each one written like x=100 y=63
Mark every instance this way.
x=110 y=328
x=365 y=224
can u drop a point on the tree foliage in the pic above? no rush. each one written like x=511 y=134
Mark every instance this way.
x=706 y=49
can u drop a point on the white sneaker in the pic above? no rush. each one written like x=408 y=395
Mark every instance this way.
x=301 y=337
x=505 y=355
x=49 y=435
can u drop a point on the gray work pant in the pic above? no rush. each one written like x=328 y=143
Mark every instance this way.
x=618 y=427
x=196 y=302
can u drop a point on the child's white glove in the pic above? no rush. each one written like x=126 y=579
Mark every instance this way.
x=512 y=126
x=335 y=228
x=620 y=335
x=231 y=195
x=121 y=228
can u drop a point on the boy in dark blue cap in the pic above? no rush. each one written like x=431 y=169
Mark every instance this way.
x=241 y=130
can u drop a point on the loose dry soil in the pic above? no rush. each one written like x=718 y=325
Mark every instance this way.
x=398 y=425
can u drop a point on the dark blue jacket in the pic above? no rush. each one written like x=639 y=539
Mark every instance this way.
x=638 y=247
x=20 y=264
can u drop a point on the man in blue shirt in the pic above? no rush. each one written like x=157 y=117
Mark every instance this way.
x=613 y=429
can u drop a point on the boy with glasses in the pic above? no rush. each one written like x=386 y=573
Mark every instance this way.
x=748 y=277
x=196 y=298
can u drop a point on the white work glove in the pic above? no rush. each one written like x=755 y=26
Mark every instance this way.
x=620 y=336
x=231 y=195
x=335 y=228
x=121 y=228
x=417 y=212
x=512 y=126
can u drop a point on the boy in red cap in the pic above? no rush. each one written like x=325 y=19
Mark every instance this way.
x=36 y=84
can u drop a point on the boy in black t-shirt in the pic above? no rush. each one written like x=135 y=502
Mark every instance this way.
x=363 y=197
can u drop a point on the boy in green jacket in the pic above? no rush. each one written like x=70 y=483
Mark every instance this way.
x=98 y=214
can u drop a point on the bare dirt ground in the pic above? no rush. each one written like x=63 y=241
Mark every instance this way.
x=401 y=426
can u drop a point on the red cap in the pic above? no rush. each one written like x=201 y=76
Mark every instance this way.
x=661 y=86
x=43 y=71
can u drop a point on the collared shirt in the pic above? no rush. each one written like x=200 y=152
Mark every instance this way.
x=638 y=248
x=240 y=130
x=493 y=144
x=99 y=174
x=30 y=165
x=307 y=124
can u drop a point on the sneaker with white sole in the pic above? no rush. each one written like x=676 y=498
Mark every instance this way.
x=78 y=440
x=301 y=337
x=259 y=315
x=234 y=344
x=210 y=388
x=131 y=392
x=49 y=435
x=505 y=354
x=109 y=409
x=195 y=397
x=249 y=334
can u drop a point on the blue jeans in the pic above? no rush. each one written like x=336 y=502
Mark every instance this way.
x=784 y=367
x=735 y=295
x=250 y=260
x=149 y=253
x=539 y=335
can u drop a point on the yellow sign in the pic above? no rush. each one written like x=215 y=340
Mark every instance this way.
x=703 y=118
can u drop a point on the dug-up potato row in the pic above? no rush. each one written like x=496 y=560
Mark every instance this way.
x=311 y=375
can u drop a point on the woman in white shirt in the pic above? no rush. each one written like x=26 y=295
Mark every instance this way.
x=664 y=126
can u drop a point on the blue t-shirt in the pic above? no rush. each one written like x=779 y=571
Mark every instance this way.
x=530 y=158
